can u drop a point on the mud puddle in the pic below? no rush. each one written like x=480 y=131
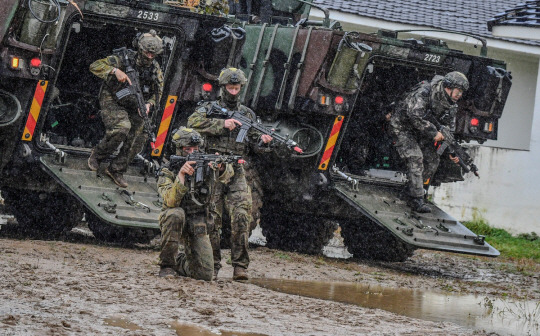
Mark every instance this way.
x=505 y=317
x=188 y=329
x=121 y=322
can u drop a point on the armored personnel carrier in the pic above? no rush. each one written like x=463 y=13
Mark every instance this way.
x=326 y=89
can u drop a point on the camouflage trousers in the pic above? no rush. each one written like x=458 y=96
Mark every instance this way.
x=235 y=198
x=421 y=159
x=194 y=259
x=121 y=126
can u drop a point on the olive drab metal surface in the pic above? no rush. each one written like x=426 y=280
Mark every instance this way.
x=277 y=63
x=136 y=206
x=7 y=13
x=348 y=64
x=436 y=230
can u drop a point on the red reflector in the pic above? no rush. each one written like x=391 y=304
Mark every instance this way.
x=241 y=161
x=207 y=87
x=474 y=122
x=339 y=100
x=35 y=62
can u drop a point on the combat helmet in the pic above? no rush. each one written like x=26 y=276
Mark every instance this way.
x=187 y=137
x=150 y=42
x=457 y=80
x=232 y=76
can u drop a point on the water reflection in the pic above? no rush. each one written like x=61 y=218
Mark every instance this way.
x=187 y=329
x=121 y=322
x=504 y=317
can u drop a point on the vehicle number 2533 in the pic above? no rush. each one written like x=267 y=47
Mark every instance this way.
x=146 y=15
x=432 y=58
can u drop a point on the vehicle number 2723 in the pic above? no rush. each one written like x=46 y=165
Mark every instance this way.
x=152 y=16
x=432 y=58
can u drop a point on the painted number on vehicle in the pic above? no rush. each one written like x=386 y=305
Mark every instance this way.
x=146 y=15
x=432 y=58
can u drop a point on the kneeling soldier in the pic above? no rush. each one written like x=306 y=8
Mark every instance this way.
x=184 y=214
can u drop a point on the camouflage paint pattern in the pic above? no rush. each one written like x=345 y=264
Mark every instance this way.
x=213 y=7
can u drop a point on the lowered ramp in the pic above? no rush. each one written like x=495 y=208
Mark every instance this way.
x=435 y=231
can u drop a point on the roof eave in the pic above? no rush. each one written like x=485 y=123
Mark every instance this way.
x=519 y=32
x=354 y=19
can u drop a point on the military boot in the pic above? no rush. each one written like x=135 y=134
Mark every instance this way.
x=93 y=162
x=240 y=273
x=417 y=204
x=117 y=177
x=165 y=272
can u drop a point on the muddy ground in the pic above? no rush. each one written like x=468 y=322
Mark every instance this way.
x=74 y=285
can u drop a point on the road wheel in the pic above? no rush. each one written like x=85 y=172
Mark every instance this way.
x=367 y=240
x=116 y=234
x=302 y=233
x=42 y=212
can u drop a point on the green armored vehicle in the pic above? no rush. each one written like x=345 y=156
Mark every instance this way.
x=326 y=89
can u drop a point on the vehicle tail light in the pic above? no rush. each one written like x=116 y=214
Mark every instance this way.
x=35 y=62
x=324 y=100
x=488 y=127
x=339 y=100
x=474 y=122
x=15 y=62
x=207 y=87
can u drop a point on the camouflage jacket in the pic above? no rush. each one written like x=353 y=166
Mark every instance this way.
x=217 y=138
x=150 y=77
x=426 y=100
x=214 y=7
x=176 y=194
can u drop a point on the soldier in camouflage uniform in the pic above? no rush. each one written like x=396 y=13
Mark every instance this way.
x=414 y=134
x=123 y=123
x=181 y=219
x=213 y=7
x=236 y=195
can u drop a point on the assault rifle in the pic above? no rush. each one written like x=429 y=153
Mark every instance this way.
x=247 y=124
x=203 y=164
x=454 y=148
x=134 y=90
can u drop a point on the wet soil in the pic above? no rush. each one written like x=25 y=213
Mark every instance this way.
x=74 y=285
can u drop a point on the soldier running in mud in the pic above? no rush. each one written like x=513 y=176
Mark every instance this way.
x=121 y=118
x=182 y=219
x=236 y=195
x=414 y=135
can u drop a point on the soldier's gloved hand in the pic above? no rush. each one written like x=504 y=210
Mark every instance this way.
x=230 y=124
x=188 y=169
x=454 y=159
x=438 y=137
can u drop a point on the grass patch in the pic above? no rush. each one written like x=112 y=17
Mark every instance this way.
x=282 y=255
x=524 y=246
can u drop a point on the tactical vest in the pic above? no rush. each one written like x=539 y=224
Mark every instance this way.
x=443 y=112
x=203 y=193
x=148 y=75
x=226 y=143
